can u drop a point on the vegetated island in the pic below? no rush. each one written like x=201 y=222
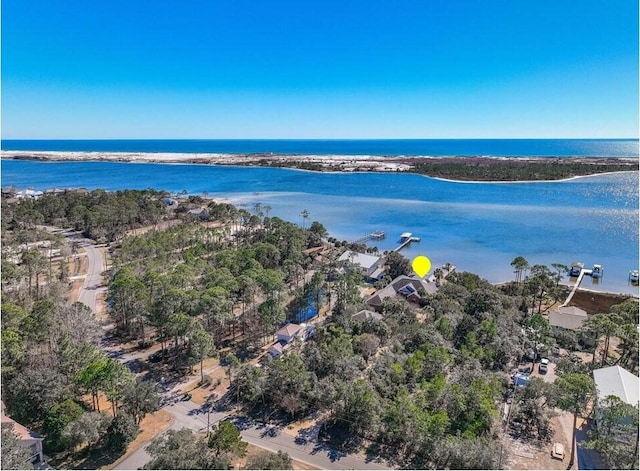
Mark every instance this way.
x=461 y=168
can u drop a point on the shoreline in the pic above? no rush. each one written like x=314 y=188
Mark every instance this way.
x=341 y=163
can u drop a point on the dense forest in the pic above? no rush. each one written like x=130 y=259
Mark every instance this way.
x=421 y=387
x=485 y=169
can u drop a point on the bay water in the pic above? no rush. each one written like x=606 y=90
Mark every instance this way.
x=479 y=227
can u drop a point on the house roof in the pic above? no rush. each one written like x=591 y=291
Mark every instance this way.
x=403 y=284
x=277 y=347
x=572 y=310
x=23 y=432
x=567 y=318
x=289 y=330
x=365 y=314
x=616 y=381
x=362 y=260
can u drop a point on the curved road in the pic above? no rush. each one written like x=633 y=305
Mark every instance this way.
x=189 y=414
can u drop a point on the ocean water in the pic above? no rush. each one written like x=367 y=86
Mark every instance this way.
x=409 y=147
x=480 y=227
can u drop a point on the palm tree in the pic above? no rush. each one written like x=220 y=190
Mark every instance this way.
x=573 y=392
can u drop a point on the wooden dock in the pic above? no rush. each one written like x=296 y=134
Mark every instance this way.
x=406 y=242
x=377 y=235
x=583 y=272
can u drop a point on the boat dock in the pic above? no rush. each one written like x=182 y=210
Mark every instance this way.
x=405 y=239
x=582 y=274
x=377 y=235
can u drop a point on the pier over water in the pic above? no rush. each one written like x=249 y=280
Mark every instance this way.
x=377 y=235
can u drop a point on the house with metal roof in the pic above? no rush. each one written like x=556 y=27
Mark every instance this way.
x=569 y=318
x=370 y=265
x=616 y=381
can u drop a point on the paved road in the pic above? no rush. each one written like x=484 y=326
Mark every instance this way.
x=188 y=414
x=93 y=283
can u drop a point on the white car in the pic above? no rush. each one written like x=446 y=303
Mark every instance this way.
x=544 y=365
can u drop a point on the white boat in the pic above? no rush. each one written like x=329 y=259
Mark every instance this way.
x=597 y=271
x=634 y=276
x=405 y=235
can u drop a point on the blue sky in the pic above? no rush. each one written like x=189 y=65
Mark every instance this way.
x=330 y=69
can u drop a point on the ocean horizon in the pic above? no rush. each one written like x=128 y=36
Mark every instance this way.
x=602 y=148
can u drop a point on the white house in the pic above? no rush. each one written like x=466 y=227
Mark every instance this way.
x=616 y=381
x=369 y=264
x=288 y=332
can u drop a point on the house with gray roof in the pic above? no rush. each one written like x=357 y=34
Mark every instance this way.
x=569 y=318
x=365 y=315
x=407 y=286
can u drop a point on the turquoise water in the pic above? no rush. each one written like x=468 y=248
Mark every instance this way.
x=480 y=227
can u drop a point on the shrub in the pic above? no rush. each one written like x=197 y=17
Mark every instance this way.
x=122 y=431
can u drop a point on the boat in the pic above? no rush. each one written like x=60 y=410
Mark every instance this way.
x=576 y=268
x=597 y=271
x=634 y=276
x=405 y=235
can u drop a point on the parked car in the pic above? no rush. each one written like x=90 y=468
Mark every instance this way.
x=557 y=451
x=544 y=365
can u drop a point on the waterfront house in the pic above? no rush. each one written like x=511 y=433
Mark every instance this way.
x=370 y=265
x=407 y=286
x=569 y=319
x=27 y=438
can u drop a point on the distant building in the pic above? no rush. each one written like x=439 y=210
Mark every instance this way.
x=369 y=264
x=406 y=286
x=27 y=438
x=29 y=193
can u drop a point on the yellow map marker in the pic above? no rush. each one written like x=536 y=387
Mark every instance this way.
x=421 y=265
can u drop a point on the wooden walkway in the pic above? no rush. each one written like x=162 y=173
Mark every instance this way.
x=583 y=272
x=377 y=235
x=405 y=243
